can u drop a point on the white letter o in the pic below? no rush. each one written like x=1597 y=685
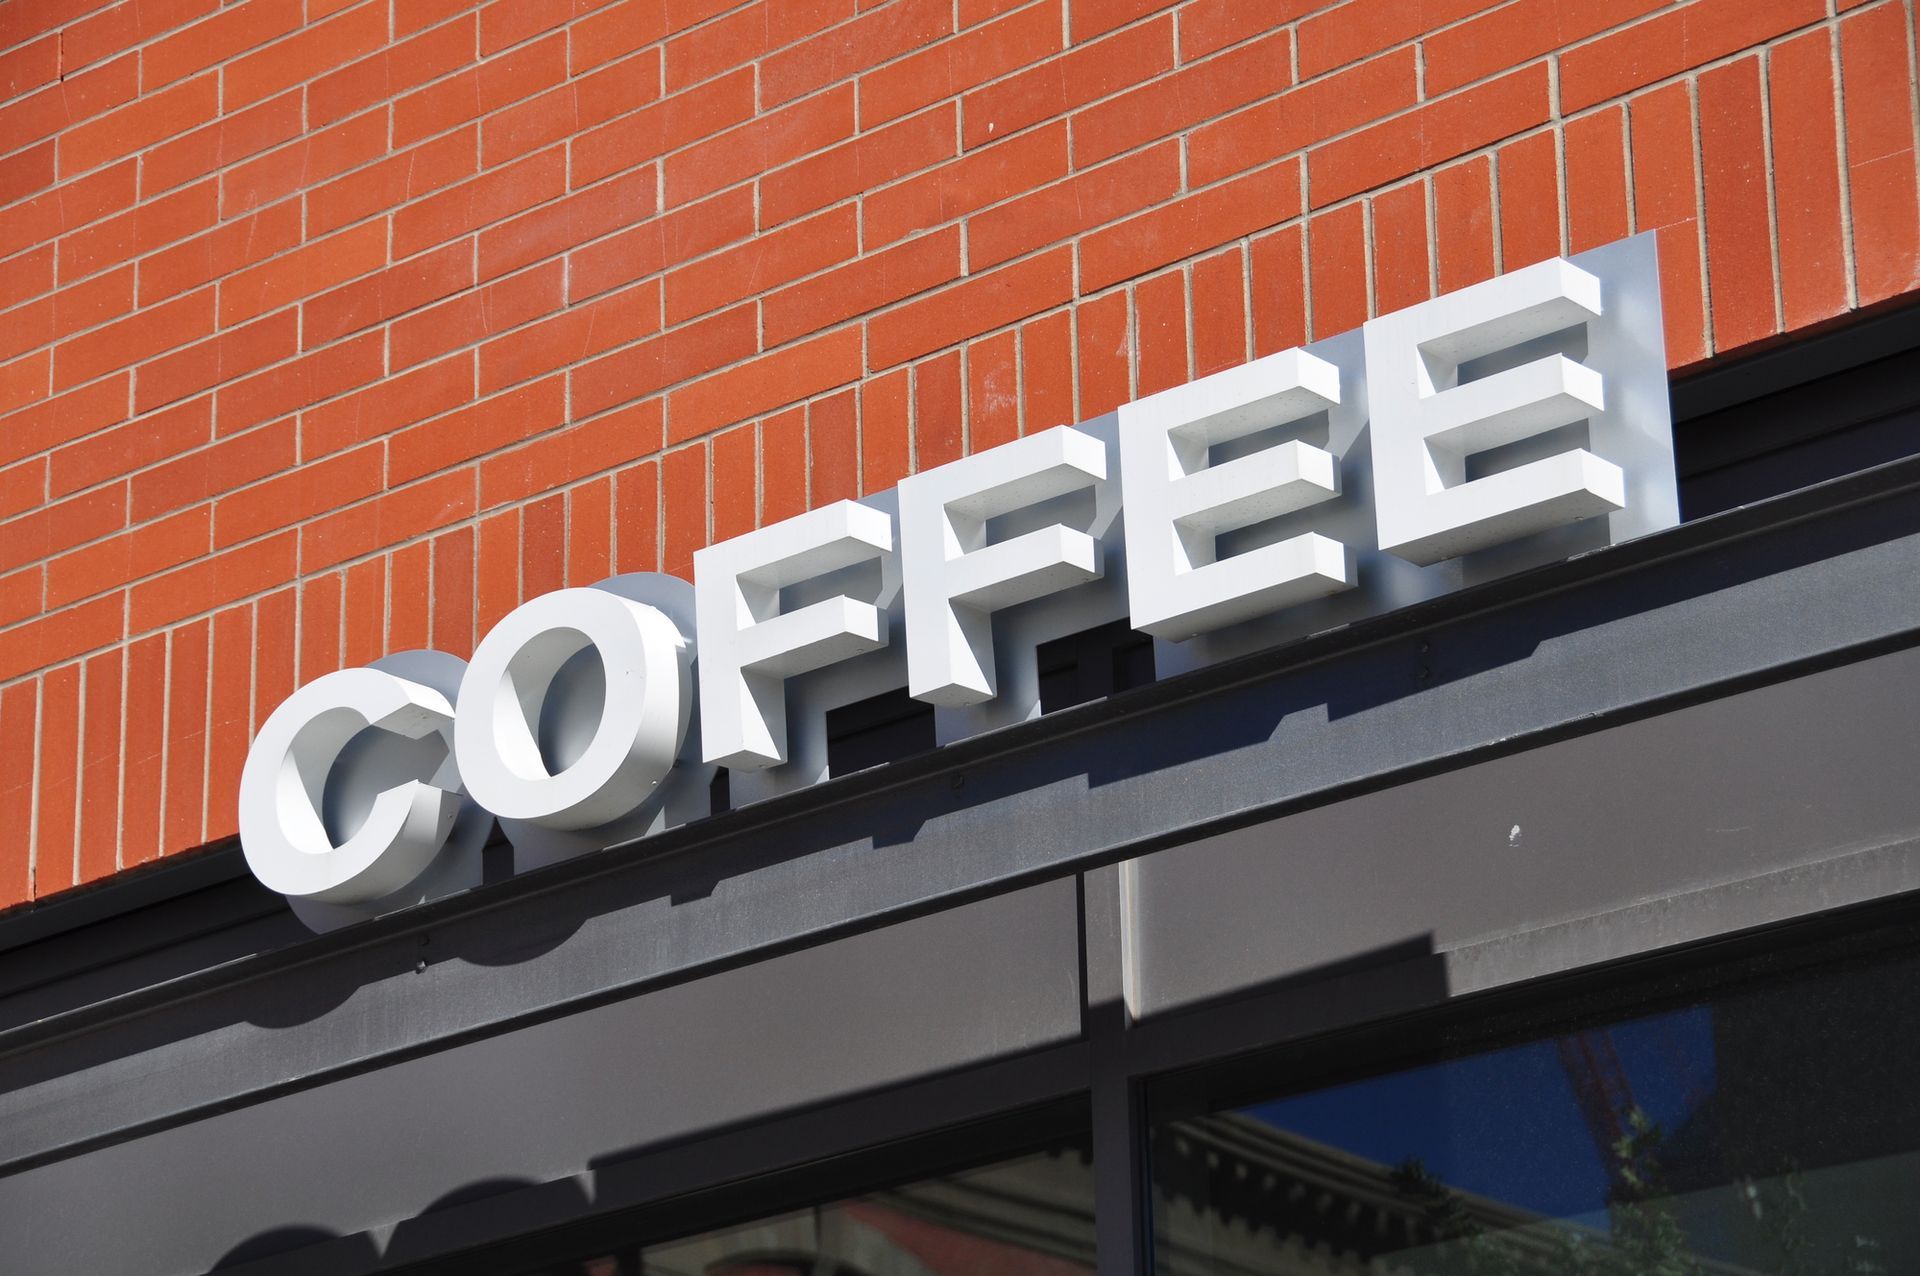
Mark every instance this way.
x=643 y=715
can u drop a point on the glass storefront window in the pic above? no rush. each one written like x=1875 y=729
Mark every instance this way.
x=1031 y=1216
x=1769 y=1130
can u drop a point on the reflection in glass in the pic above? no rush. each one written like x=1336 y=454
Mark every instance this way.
x=1032 y=1216
x=1773 y=1130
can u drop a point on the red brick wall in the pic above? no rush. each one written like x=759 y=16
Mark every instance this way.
x=329 y=327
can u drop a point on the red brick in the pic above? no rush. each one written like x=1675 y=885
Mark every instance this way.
x=1596 y=149
x=50 y=214
x=565 y=456
x=319 y=627
x=886 y=445
x=736 y=481
x=1177 y=102
x=543 y=546
x=646 y=249
x=568 y=109
x=763 y=263
x=142 y=752
x=858 y=166
x=73 y=309
x=390 y=293
x=1401 y=266
x=1022 y=163
x=298 y=494
x=505 y=23
x=125 y=448
x=1104 y=354
x=1219 y=311
x=1664 y=187
x=1876 y=79
x=232 y=353
x=26 y=67
x=571 y=336
x=1517 y=33
x=496 y=569
x=316 y=265
x=613 y=32
x=1084 y=201
x=23 y=594
x=410 y=16
x=387 y=520
x=993 y=391
x=832 y=450
x=27 y=276
x=774 y=139
x=19 y=720
x=683 y=482
x=209 y=582
x=1360 y=28
x=1189 y=226
x=60 y=106
x=636 y=518
x=229 y=718
x=1806 y=180
x=1046 y=379
x=475 y=315
x=590 y=532
x=203 y=474
x=300 y=383
x=276 y=636
x=499 y=81
x=25 y=381
x=951 y=67
x=64 y=417
x=453 y=591
x=401 y=177
x=232 y=30
x=23 y=486
x=861 y=287
x=745 y=36
x=119 y=27
x=100 y=765
x=228 y=248
x=1428 y=136
x=886 y=33
x=409 y=595
x=186 y=735
x=939 y=415
x=386 y=406
x=47 y=640
x=480 y=201
x=58 y=768
x=1530 y=204
x=474 y=431
x=312 y=158
x=1337 y=262
x=27 y=172
x=363 y=612
x=224 y=141
x=109 y=564
x=978 y=305
x=140 y=124
x=770 y=381
x=130 y=340
x=1160 y=328
x=1463 y=223
x=1207 y=26
x=650 y=366
x=566 y=223
x=316 y=48
x=1678 y=40
x=1733 y=163
x=1083 y=74
x=1089 y=19
x=391 y=71
x=675 y=122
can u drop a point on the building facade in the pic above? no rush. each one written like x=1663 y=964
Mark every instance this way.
x=1560 y=921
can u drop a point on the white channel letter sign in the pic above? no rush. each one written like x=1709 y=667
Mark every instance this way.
x=1511 y=423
